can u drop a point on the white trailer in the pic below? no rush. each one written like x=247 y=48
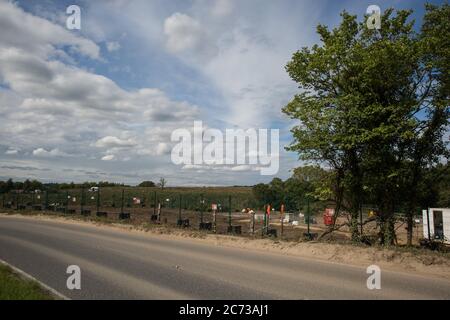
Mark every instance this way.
x=436 y=224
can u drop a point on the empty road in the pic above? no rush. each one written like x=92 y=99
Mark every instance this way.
x=124 y=265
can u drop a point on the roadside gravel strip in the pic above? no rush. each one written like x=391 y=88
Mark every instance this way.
x=121 y=264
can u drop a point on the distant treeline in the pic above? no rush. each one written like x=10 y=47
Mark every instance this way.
x=297 y=192
x=32 y=185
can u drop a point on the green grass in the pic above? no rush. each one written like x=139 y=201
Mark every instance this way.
x=13 y=287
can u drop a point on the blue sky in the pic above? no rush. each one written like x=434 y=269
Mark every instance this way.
x=100 y=103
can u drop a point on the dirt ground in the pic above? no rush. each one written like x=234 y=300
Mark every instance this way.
x=287 y=232
x=410 y=260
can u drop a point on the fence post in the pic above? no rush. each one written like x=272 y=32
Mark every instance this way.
x=46 y=200
x=81 y=200
x=179 y=212
x=253 y=223
x=309 y=217
x=360 y=220
x=57 y=200
x=160 y=206
x=265 y=219
x=154 y=202
x=201 y=208
x=229 y=211
x=121 y=206
x=215 y=221
x=98 y=199
x=67 y=201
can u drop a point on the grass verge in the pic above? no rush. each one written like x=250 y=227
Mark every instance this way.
x=14 y=287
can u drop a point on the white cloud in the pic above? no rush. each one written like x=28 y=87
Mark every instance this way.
x=183 y=32
x=222 y=168
x=38 y=35
x=251 y=48
x=41 y=152
x=11 y=152
x=242 y=168
x=108 y=157
x=50 y=99
x=111 y=142
x=112 y=46
x=222 y=8
x=185 y=35
x=193 y=166
x=59 y=105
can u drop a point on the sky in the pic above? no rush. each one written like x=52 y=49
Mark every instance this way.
x=101 y=103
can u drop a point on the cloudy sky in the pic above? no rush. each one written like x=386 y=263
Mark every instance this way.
x=100 y=103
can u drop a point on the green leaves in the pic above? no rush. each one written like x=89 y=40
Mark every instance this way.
x=373 y=103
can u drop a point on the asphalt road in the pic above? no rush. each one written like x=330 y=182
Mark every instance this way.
x=123 y=265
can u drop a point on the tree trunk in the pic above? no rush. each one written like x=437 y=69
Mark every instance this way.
x=356 y=237
x=387 y=229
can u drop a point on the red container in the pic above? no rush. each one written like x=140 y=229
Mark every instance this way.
x=328 y=216
x=327 y=220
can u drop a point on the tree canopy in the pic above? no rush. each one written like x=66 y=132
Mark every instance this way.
x=147 y=184
x=373 y=106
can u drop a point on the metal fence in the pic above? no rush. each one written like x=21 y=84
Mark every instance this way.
x=213 y=212
x=219 y=213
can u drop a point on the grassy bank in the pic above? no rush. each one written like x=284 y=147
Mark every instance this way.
x=14 y=287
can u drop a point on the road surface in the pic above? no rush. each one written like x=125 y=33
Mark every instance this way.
x=125 y=265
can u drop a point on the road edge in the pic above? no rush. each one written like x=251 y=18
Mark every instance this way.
x=387 y=265
x=30 y=277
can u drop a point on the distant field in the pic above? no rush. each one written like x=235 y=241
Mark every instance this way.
x=191 y=197
x=192 y=208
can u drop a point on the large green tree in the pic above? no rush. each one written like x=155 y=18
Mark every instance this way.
x=373 y=106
